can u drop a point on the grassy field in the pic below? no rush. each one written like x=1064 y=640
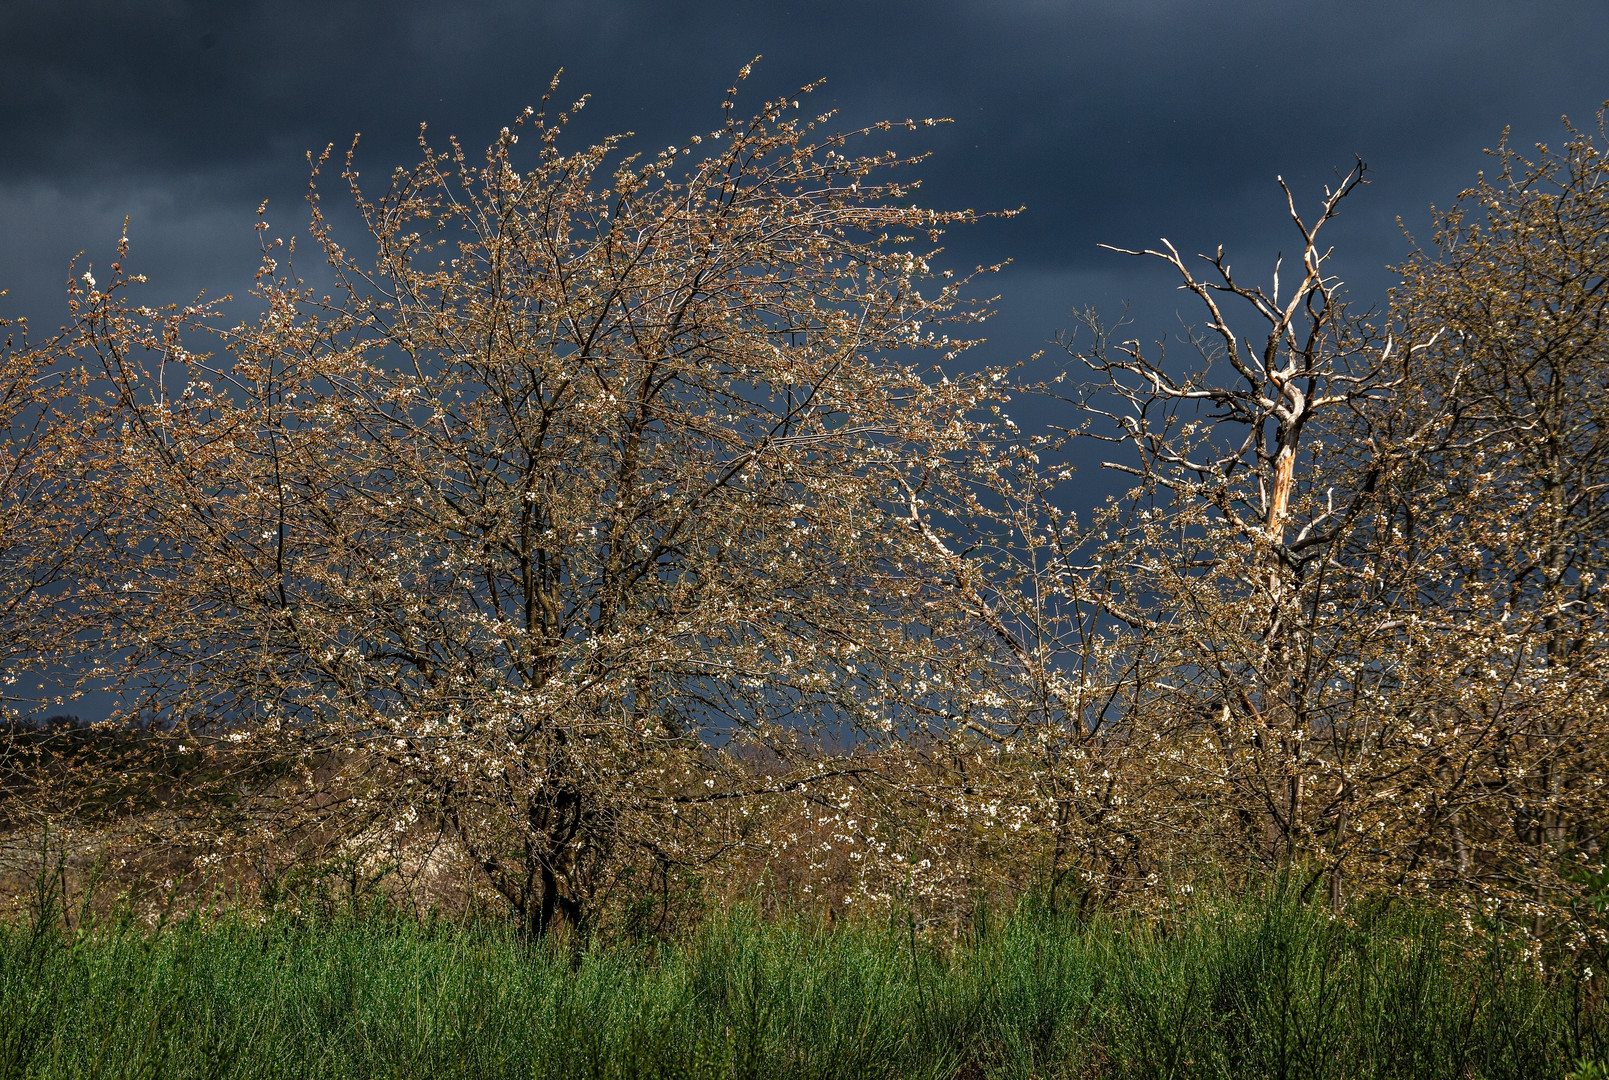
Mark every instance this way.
x=1239 y=990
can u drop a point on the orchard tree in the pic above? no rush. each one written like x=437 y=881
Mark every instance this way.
x=40 y=538
x=42 y=548
x=572 y=514
x=1511 y=492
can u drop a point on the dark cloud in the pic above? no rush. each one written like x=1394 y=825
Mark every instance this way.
x=1113 y=121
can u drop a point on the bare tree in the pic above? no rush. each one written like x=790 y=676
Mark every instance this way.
x=1352 y=596
x=1226 y=541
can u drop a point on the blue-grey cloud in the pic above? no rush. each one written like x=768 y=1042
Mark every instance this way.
x=1111 y=121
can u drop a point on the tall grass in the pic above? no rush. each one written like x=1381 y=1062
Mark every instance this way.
x=1249 y=989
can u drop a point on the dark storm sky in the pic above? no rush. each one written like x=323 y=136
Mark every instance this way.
x=1111 y=121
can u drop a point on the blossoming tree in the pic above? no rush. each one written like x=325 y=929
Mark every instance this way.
x=569 y=515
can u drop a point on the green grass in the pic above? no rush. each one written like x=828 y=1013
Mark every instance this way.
x=1243 y=990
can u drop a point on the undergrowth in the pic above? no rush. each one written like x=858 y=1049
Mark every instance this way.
x=1249 y=988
